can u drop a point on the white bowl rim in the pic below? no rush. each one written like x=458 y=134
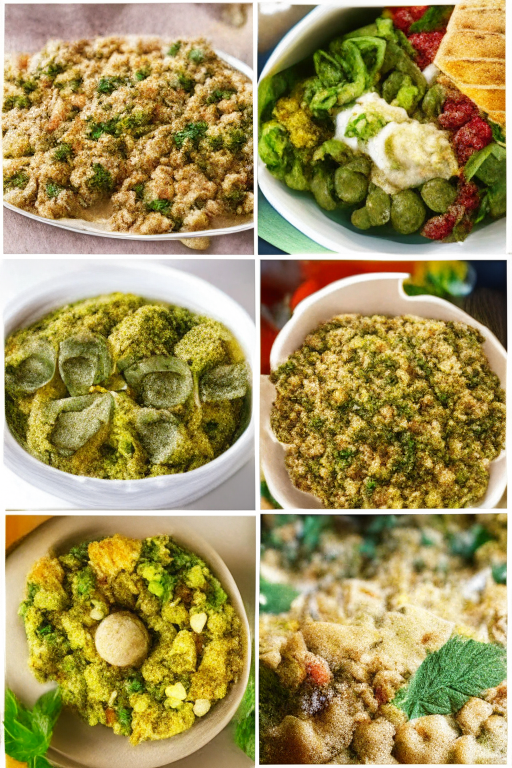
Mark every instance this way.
x=12 y=445
x=246 y=70
x=277 y=356
x=357 y=241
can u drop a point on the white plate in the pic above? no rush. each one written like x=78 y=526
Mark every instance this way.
x=381 y=294
x=334 y=231
x=76 y=744
x=88 y=228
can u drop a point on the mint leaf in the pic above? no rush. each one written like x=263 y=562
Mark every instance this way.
x=447 y=678
x=28 y=732
x=245 y=729
x=499 y=573
x=276 y=598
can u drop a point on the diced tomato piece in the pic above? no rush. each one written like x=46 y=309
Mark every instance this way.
x=404 y=16
x=473 y=136
x=457 y=112
x=318 y=670
x=426 y=44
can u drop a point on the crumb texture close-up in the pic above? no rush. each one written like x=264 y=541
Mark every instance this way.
x=383 y=639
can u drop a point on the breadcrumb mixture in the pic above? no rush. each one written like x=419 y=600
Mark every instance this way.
x=148 y=135
x=390 y=413
x=376 y=596
x=193 y=650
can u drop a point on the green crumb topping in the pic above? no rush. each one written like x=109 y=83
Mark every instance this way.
x=139 y=635
x=390 y=413
x=120 y=387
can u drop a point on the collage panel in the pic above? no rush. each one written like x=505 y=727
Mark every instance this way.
x=383 y=389
x=129 y=128
x=382 y=129
x=129 y=385
x=383 y=639
x=145 y=622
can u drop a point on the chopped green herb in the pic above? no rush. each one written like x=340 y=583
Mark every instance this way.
x=53 y=189
x=101 y=178
x=62 y=152
x=22 y=102
x=17 y=181
x=85 y=581
x=186 y=82
x=160 y=206
x=143 y=73
x=109 y=84
x=218 y=95
x=435 y=18
x=139 y=191
x=447 y=678
x=29 y=86
x=53 y=69
x=196 y=55
x=193 y=132
x=98 y=129
x=173 y=50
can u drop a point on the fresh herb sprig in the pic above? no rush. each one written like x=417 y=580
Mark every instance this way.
x=447 y=678
x=245 y=728
x=28 y=732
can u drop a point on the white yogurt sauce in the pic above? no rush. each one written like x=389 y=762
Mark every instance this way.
x=405 y=152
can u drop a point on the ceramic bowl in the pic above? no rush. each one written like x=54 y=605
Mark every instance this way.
x=75 y=744
x=334 y=230
x=154 y=282
x=381 y=294
x=90 y=228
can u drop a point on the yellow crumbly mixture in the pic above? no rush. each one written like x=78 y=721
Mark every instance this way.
x=147 y=135
x=390 y=413
x=122 y=387
x=195 y=639
x=374 y=599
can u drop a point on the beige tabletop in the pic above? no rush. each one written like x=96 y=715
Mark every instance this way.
x=28 y=27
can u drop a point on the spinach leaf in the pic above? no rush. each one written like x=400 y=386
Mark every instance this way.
x=272 y=87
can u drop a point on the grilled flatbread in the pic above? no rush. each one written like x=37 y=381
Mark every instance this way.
x=472 y=54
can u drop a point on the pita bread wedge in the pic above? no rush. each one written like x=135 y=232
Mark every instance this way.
x=472 y=54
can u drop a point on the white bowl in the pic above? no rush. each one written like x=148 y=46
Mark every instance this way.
x=76 y=744
x=89 y=228
x=334 y=231
x=153 y=282
x=382 y=294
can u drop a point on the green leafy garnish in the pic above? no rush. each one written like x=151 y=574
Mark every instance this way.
x=265 y=492
x=276 y=598
x=245 y=728
x=28 y=732
x=85 y=581
x=193 y=131
x=22 y=102
x=499 y=573
x=497 y=132
x=447 y=678
x=435 y=18
x=173 y=50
